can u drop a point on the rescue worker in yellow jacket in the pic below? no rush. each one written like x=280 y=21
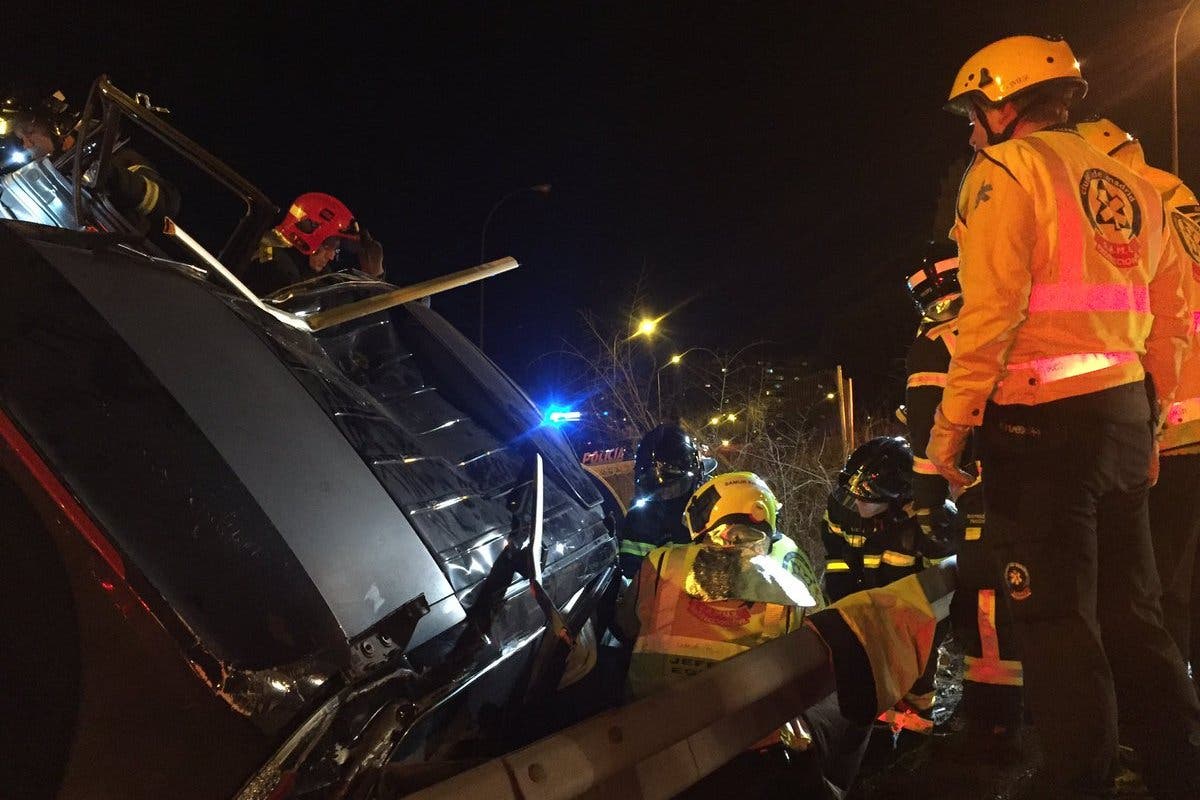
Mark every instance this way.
x=1175 y=499
x=989 y=714
x=1070 y=313
x=738 y=584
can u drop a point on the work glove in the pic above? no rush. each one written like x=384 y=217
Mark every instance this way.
x=947 y=441
x=370 y=259
x=942 y=524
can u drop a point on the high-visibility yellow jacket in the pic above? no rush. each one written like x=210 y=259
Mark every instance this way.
x=680 y=634
x=1181 y=433
x=1065 y=291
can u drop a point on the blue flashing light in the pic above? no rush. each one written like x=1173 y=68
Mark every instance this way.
x=18 y=157
x=640 y=502
x=556 y=415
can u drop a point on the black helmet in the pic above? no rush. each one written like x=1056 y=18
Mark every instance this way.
x=667 y=465
x=860 y=456
x=885 y=475
x=49 y=111
x=935 y=280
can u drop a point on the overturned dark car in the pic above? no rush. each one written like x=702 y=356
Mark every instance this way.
x=262 y=548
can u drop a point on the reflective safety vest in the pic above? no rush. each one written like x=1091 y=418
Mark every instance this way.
x=680 y=635
x=1060 y=261
x=1181 y=432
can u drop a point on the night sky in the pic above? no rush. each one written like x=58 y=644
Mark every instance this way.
x=772 y=166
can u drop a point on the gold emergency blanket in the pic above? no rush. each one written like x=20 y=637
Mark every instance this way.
x=744 y=567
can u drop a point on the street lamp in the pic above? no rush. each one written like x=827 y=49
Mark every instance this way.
x=647 y=327
x=1175 y=89
x=540 y=188
x=674 y=361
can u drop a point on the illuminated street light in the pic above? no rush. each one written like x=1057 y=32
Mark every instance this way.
x=714 y=421
x=724 y=443
x=732 y=417
x=676 y=359
x=646 y=327
x=830 y=396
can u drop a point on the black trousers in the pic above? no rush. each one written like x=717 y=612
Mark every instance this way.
x=989 y=698
x=1066 y=495
x=1175 y=528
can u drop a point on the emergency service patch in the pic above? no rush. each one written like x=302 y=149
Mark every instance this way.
x=1114 y=215
x=1186 y=222
x=983 y=195
x=1017 y=577
x=723 y=613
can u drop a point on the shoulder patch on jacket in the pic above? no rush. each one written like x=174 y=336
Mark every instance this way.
x=979 y=183
x=1186 y=222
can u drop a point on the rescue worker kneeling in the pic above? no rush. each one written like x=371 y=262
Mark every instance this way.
x=885 y=544
x=738 y=584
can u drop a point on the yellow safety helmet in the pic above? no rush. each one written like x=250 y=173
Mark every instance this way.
x=734 y=498
x=1010 y=66
x=1104 y=135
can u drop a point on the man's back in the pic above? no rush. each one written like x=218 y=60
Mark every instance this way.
x=1060 y=251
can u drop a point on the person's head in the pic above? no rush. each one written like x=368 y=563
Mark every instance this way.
x=42 y=124
x=934 y=287
x=321 y=258
x=1016 y=85
x=723 y=508
x=315 y=218
x=667 y=465
x=1110 y=139
x=883 y=478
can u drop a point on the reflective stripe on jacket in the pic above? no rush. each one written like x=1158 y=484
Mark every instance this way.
x=1182 y=423
x=1059 y=257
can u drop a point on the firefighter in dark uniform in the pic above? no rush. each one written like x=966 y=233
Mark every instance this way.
x=845 y=529
x=306 y=245
x=667 y=469
x=884 y=544
x=980 y=614
x=1070 y=339
x=46 y=127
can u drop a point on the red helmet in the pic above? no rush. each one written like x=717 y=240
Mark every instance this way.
x=315 y=217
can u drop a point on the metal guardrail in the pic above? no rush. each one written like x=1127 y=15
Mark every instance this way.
x=660 y=745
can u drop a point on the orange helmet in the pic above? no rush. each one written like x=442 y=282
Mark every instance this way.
x=314 y=218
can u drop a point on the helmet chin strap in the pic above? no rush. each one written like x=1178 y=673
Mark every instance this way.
x=994 y=137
